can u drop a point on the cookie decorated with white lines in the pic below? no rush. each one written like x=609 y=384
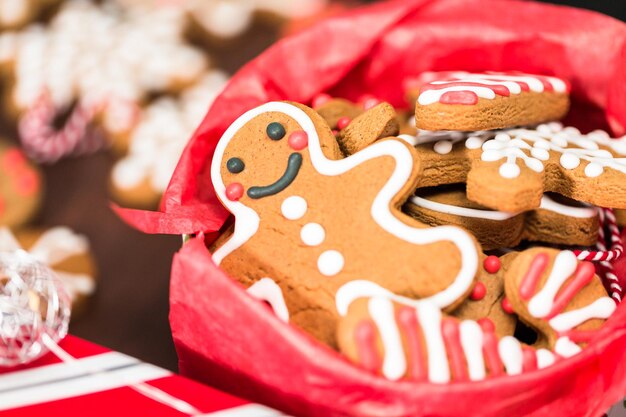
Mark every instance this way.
x=491 y=100
x=510 y=170
x=327 y=229
x=558 y=220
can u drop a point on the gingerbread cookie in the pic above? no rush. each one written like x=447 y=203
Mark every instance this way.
x=483 y=101
x=421 y=343
x=557 y=220
x=327 y=230
x=510 y=170
x=620 y=216
x=156 y=143
x=21 y=188
x=559 y=296
x=67 y=253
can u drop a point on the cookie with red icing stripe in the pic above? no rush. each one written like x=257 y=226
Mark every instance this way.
x=552 y=291
x=559 y=296
x=482 y=101
x=558 y=220
x=21 y=187
x=314 y=230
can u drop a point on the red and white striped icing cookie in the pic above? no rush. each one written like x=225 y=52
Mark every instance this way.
x=490 y=100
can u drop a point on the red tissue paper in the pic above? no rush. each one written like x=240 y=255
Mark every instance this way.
x=226 y=338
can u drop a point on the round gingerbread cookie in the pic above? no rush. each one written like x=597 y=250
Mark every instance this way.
x=21 y=187
x=483 y=101
x=66 y=252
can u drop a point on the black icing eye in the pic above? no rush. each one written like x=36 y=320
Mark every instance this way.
x=235 y=165
x=275 y=131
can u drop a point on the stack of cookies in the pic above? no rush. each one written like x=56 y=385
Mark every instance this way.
x=442 y=250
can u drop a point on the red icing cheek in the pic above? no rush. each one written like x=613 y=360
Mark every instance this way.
x=2 y=206
x=298 y=140
x=492 y=264
x=234 y=191
x=507 y=306
x=459 y=97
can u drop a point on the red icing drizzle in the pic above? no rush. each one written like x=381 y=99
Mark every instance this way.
x=490 y=348
x=529 y=359
x=407 y=320
x=365 y=337
x=450 y=333
x=528 y=286
x=583 y=275
x=459 y=97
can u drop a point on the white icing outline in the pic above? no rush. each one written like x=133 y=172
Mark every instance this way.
x=429 y=317
x=510 y=351
x=547 y=203
x=267 y=290
x=564 y=266
x=383 y=314
x=247 y=220
x=472 y=342
x=602 y=308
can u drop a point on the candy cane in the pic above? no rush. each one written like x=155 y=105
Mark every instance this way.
x=607 y=219
x=43 y=143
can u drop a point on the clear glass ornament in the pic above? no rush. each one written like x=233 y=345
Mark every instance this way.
x=34 y=308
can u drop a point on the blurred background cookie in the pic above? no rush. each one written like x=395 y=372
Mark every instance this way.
x=65 y=251
x=21 y=187
x=156 y=143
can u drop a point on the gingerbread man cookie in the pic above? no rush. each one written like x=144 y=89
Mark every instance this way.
x=325 y=229
x=510 y=170
x=482 y=101
x=556 y=221
x=67 y=253
x=21 y=188
x=421 y=343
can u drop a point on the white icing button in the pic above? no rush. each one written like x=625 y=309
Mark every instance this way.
x=312 y=234
x=569 y=161
x=294 y=207
x=509 y=170
x=502 y=137
x=534 y=164
x=474 y=142
x=540 y=153
x=330 y=263
x=443 y=147
x=593 y=170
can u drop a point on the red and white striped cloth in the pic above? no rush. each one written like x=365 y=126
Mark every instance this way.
x=99 y=384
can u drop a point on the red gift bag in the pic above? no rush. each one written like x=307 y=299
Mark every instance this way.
x=227 y=339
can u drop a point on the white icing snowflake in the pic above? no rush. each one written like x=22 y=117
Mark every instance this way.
x=533 y=146
x=162 y=133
